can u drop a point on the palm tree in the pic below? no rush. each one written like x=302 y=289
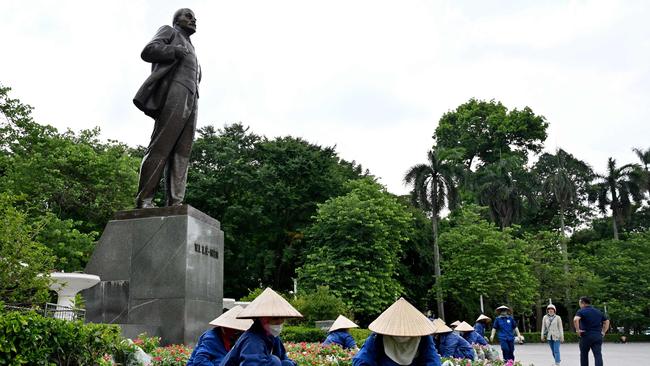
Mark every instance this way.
x=434 y=188
x=616 y=191
x=562 y=182
x=644 y=157
x=502 y=186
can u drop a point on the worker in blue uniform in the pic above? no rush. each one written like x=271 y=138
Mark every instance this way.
x=214 y=344
x=469 y=334
x=481 y=324
x=260 y=345
x=450 y=344
x=506 y=326
x=401 y=337
x=339 y=334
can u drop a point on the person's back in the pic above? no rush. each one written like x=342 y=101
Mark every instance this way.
x=591 y=320
x=453 y=345
x=255 y=348
x=591 y=325
x=342 y=338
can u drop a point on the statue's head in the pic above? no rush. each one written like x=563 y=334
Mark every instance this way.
x=185 y=19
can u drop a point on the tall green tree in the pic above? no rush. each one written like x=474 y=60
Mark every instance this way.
x=355 y=245
x=626 y=274
x=25 y=263
x=486 y=130
x=482 y=259
x=264 y=192
x=504 y=187
x=616 y=190
x=434 y=188
x=565 y=181
x=644 y=159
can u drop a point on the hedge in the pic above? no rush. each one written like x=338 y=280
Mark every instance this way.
x=302 y=334
x=27 y=338
x=310 y=334
x=572 y=337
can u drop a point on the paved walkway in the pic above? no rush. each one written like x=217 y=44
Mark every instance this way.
x=614 y=354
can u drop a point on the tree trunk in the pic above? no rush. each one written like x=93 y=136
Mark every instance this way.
x=565 y=258
x=615 y=207
x=539 y=314
x=436 y=264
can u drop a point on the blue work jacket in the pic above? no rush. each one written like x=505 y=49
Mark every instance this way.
x=480 y=328
x=372 y=353
x=453 y=345
x=474 y=338
x=505 y=326
x=209 y=350
x=342 y=338
x=256 y=348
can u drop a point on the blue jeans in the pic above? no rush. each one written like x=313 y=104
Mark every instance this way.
x=508 y=349
x=555 y=349
x=593 y=342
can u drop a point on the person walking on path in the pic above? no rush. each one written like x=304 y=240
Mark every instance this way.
x=506 y=325
x=591 y=325
x=553 y=331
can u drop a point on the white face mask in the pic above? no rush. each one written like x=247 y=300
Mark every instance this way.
x=275 y=329
x=402 y=339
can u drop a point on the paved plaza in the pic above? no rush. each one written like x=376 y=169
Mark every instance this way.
x=614 y=354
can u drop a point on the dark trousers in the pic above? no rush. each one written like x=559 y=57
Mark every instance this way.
x=593 y=342
x=508 y=349
x=169 y=151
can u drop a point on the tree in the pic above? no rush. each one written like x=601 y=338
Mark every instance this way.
x=616 y=190
x=73 y=175
x=644 y=158
x=481 y=259
x=25 y=263
x=264 y=192
x=567 y=180
x=627 y=278
x=434 y=189
x=487 y=130
x=354 y=247
x=503 y=187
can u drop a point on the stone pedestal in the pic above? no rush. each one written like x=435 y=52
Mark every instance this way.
x=161 y=272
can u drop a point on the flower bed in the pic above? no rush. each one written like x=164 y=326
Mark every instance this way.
x=314 y=354
x=173 y=355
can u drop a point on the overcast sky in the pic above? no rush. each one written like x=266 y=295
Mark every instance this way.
x=371 y=77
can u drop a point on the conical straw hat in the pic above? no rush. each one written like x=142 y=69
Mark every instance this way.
x=442 y=328
x=342 y=323
x=403 y=320
x=455 y=324
x=438 y=322
x=483 y=317
x=464 y=327
x=503 y=307
x=229 y=320
x=269 y=305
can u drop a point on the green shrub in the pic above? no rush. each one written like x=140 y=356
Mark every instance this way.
x=302 y=334
x=147 y=343
x=321 y=304
x=360 y=335
x=31 y=339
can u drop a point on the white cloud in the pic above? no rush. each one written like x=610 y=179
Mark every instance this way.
x=372 y=77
